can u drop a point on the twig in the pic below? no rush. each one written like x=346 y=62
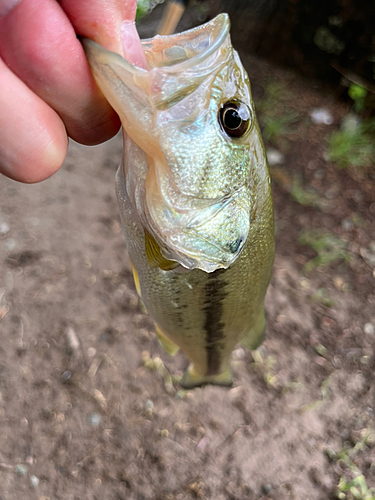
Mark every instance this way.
x=354 y=78
x=6 y=467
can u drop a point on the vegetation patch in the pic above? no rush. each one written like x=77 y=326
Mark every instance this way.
x=305 y=197
x=352 y=483
x=353 y=147
x=276 y=121
x=329 y=248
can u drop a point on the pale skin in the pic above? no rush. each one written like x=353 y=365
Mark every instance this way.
x=47 y=92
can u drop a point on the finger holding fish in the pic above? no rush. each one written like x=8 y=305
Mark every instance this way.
x=110 y=23
x=47 y=91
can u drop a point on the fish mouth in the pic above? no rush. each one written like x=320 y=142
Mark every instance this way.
x=179 y=54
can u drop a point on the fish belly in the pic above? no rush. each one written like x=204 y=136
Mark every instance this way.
x=205 y=314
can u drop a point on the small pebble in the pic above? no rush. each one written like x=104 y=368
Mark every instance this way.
x=149 y=405
x=164 y=433
x=239 y=353
x=365 y=360
x=321 y=350
x=34 y=481
x=312 y=164
x=330 y=194
x=320 y=361
x=21 y=470
x=94 y=419
x=321 y=116
x=34 y=221
x=282 y=319
x=118 y=293
x=4 y=228
x=350 y=123
x=72 y=341
x=10 y=244
x=275 y=157
x=236 y=392
x=66 y=376
x=181 y=394
x=331 y=454
x=347 y=224
x=368 y=257
x=319 y=174
x=266 y=488
x=338 y=282
x=203 y=443
x=91 y=351
x=369 y=329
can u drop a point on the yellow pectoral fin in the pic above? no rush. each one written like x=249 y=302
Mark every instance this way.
x=136 y=281
x=154 y=256
x=138 y=288
x=167 y=344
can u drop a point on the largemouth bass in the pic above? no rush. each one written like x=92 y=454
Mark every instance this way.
x=194 y=193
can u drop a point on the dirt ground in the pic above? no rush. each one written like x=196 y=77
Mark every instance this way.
x=90 y=406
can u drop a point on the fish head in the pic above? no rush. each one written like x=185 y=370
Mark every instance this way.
x=192 y=114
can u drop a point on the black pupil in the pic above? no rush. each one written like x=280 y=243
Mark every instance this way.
x=232 y=119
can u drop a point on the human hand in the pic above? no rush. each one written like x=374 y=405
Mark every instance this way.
x=46 y=88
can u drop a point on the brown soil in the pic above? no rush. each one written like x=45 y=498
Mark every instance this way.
x=80 y=408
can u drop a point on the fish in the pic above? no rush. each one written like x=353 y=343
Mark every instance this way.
x=194 y=193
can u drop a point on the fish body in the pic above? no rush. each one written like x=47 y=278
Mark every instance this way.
x=194 y=193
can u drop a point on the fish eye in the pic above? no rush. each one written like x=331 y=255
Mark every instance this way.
x=235 y=118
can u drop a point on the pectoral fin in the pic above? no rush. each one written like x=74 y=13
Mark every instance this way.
x=136 y=280
x=138 y=288
x=154 y=256
x=167 y=344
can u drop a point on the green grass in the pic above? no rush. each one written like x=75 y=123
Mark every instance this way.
x=278 y=126
x=354 y=148
x=324 y=389
x=358 y=94
x=156 y=364
x=275 y=119
x=265 y=365
x=322 y=297
x=305 y=197
x=329 y=248
x=355 y=488
x=275 y=94
x=143 y=6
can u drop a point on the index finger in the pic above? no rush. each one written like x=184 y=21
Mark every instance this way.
x=39 y=44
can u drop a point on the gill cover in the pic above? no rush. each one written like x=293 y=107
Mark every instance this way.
x=190 y=182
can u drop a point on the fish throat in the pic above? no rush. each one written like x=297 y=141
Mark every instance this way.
x=215 y=293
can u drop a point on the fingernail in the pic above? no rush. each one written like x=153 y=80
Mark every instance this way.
x=6 y=6
x=131 y=45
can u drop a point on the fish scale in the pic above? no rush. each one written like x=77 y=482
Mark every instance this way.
x=195 y=203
